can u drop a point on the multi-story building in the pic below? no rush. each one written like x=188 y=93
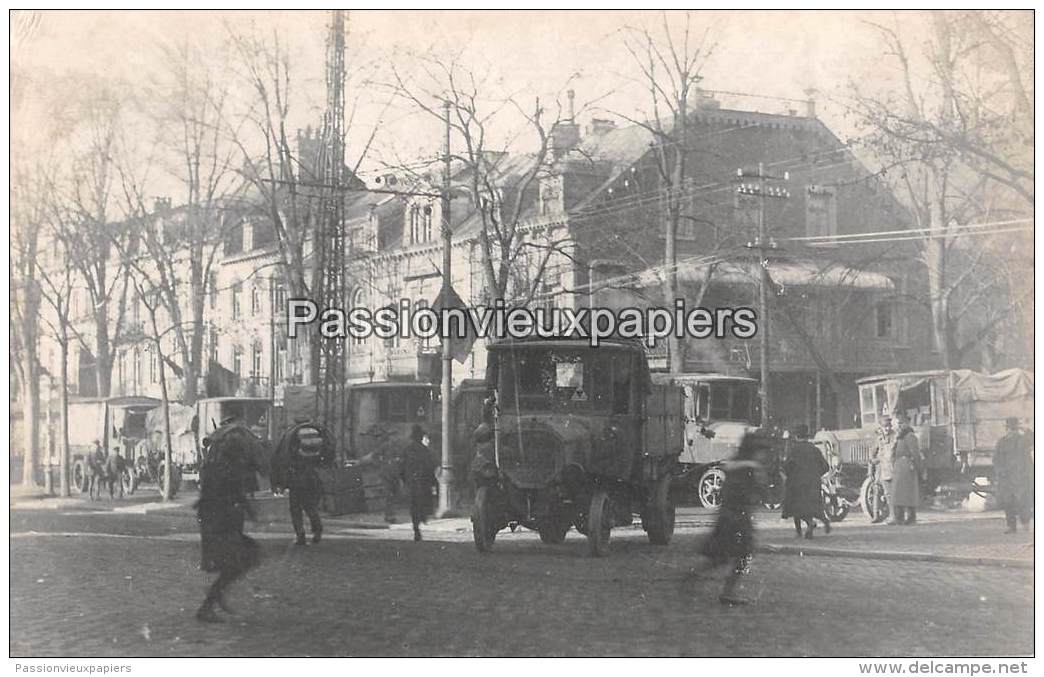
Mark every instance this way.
x=837 y=311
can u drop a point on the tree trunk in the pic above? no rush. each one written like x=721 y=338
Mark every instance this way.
x=935 y=258
x=165 y=403
x=63 y=475
x=103 y=352
x=30 y=414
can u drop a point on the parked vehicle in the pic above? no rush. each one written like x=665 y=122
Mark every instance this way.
x=582 y=438
x=117 y=423
x=252 y=412
x=958 y=417
x=718 y=411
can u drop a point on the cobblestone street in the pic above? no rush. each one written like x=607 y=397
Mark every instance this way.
x=128 y=585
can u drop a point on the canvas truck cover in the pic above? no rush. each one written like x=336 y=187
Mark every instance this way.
x=183 y=443
x=982 y=402
x=86 y=424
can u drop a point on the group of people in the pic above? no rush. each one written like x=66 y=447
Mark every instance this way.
x=228 y=475
x=900 y=466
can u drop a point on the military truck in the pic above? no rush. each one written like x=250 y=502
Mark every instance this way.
x=582 y=438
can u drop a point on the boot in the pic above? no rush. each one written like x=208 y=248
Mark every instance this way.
x=911 y=515
x=826 y=526
x=417 y=536
x=207 y=614
x=809 y=530
x=317 y=535
x=301 y=539
x=225 y=607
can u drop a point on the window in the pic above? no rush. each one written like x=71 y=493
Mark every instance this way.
x=280 y=298
x=884 y=320
x=237 y=289
x=280 y=359
x=255 y=362
x=212 y=289
x=358 y=301
x=255 y=298
x=821 y=212
x=137 y=367
x=237 y=360
x=414 y=223
x=154 y=366
x=213 y=355
x=427 y=222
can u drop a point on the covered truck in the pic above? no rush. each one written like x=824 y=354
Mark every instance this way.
x=958 y=416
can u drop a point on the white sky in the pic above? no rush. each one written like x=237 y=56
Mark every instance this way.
x=774 y=53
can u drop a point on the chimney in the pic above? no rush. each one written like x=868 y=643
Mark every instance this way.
x=706 y=101
x=600 y=127
x=810 y=103
x=566 y=134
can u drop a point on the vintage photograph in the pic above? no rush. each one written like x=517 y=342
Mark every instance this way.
x=547 y=333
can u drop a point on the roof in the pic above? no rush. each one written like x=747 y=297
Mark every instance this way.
x=235 y=399
x=695 y=377
x=567 y=342
x=133 y=401
x=382 y=385
x=785 y=273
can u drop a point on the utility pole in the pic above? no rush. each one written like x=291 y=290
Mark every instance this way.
x=446 y=476
x=761 y=244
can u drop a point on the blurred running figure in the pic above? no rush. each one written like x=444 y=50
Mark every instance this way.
x=732 y=541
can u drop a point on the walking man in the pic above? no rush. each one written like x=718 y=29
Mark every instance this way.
x=418 y=474
x=803 y=497
x=295 y=467
x=1013 y=471
x=225 y=475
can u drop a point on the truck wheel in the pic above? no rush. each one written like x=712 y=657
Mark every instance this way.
x=79 y=476
x=874 y=501
x=599 y=524
x=710 y=484
x=834 y=507
x=554 y=533
x=175 y=480
x=129 y=480
x=483 y=522
x=660 y=522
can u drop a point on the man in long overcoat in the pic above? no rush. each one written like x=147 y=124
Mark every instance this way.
x=225 y=476
x=418 y=475
x=882 y=456
x=907 y=466
x=803 y=497
x=1013 y=472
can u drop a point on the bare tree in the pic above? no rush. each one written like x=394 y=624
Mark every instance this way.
x=191 y=102
x=28 y=218
x=499 y=180
x=94 y=229
x=955 y=144
x=668 y=61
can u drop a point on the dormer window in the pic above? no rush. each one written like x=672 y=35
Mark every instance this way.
x=421 y=217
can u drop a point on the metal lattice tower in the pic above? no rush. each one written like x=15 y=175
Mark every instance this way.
x=331 y=390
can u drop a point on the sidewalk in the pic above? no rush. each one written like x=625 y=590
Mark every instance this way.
x=953 y=537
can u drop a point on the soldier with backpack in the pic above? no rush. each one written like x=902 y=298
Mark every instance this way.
x=301 y=451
